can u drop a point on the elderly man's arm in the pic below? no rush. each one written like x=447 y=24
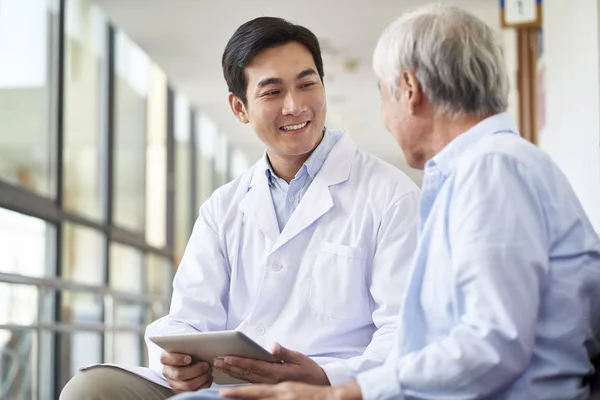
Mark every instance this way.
x=289 y=390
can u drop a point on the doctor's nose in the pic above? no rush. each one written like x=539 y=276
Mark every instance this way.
x=292 y=104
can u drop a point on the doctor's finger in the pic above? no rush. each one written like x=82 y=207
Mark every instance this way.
x=186 y=373
x=175 y=359
x=245 y=374
x=263 y=368
x=199 y=382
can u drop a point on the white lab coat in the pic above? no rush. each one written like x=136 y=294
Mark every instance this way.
x=330 y=285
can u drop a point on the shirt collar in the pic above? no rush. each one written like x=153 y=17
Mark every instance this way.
x=315 y=161
x=446 y=159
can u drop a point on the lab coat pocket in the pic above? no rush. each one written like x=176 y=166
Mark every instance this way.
x=338 y=281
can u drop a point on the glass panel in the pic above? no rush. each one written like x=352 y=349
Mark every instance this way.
x=28 y=50
x=26 y=245
x=239 y=163
x=129 y=314
x=18 y=364
x=46 y=368
x=206 y=133
x=160 y=275
x=183 y=179
x=131 y=91
x=81 y=308
x=156 y=157
x=221 y=161
x=83 y=254
x=156 y=310
x=126 y=268
x=85 y=92
x=18 y=304
x=79 y=349
x=47 y=305
x=127 y=348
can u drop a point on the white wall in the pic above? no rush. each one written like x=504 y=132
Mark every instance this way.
x=571 y=134
x=508 y=39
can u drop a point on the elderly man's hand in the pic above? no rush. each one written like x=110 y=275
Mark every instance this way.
x=295 y=391
x=294 y=367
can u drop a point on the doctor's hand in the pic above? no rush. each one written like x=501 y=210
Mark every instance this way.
x=294 y=367
x=183 y=376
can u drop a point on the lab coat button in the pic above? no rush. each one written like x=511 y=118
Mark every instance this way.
x=259 y=330
x=276 y=267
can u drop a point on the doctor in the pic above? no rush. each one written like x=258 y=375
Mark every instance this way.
x=310 y=248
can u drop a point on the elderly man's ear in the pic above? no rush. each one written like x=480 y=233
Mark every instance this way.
x=409 y=88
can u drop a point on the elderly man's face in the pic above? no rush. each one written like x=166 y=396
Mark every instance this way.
x=401 y=123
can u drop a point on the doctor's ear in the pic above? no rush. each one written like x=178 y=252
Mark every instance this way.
x=238 y=108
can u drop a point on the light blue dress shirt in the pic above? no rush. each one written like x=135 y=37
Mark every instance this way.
x=504 y=296
x=287 y=197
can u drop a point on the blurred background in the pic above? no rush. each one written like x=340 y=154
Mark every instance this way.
x=115 y=128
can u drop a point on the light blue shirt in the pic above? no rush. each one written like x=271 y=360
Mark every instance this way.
x=287 y=197
x=505 y=290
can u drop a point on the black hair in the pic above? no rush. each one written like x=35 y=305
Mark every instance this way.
x=257 y=35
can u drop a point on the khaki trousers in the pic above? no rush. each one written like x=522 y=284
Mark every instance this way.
x=110 y=383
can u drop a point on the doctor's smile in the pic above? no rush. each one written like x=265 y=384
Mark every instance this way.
x=295 y=128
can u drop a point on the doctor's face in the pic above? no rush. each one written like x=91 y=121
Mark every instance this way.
x=285 y=101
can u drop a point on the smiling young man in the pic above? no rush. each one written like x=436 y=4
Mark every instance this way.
x=310 y=248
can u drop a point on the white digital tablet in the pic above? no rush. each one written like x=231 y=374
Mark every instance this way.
x=206 y=346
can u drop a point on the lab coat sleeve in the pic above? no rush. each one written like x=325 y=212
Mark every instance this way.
x=200 y=287
x=392 y=261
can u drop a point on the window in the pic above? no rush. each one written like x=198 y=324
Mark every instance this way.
x=83 y=255
x=26 y=245
x=221 y=160
x=84 y=109
x=239 y=163
x=28 y=70
x=183 y=178
x=78 y=349
x=132 y=71
x=160 y=275
x=18 y=359
x=18 y=304
x=206 y=132
x=156 y=157
x=126 y=268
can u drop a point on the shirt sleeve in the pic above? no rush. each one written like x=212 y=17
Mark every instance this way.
x=396 y=243
x=498 y=239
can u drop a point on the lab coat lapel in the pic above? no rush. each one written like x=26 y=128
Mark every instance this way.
x=318 y=200
x=257 y=205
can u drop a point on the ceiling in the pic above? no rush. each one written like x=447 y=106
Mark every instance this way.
x=187 y=37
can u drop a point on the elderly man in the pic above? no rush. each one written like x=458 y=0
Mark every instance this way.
x=504 y=297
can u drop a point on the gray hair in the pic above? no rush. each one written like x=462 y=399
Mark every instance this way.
x=454 y=55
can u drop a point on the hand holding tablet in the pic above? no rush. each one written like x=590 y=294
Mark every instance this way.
x=208 y=346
